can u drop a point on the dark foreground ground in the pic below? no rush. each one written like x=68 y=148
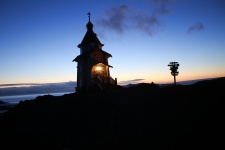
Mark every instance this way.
x=140 y=117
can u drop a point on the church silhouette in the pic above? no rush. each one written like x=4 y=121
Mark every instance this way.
x=92 y=63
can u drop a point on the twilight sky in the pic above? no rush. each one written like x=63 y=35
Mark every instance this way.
x=39 y=38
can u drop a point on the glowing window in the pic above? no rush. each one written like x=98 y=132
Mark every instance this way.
x=98 y=68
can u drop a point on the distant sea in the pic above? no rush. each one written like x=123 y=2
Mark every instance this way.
x=15 y=99
x=14 y=93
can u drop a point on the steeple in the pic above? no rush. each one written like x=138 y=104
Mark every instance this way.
x=89 y=24
x=90 y=37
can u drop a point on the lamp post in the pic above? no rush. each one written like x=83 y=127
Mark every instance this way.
x=173 y=67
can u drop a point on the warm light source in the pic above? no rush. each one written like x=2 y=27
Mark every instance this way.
x=98 y=68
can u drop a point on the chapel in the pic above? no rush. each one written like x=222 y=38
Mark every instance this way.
x=92 y=63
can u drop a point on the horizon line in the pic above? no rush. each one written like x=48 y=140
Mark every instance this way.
x=121 y=83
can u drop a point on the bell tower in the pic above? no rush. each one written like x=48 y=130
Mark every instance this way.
x=92 y=63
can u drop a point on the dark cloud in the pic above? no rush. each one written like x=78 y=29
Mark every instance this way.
x=162 y=6
x=196 y=27
x=116 y=18
x=145 y=23
x=122 y=18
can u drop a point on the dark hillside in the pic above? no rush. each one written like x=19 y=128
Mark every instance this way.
x=144 y=116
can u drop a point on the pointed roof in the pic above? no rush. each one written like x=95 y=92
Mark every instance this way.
x=91 y=51
x=90 y=36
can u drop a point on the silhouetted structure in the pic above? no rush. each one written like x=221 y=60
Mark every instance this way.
x=92 y=63
x=173 y=67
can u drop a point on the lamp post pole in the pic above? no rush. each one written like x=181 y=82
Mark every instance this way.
x=173 y=67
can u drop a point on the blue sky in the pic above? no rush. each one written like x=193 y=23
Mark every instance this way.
x=39 y=38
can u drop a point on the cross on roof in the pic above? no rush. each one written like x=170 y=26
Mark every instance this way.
x=89 y=16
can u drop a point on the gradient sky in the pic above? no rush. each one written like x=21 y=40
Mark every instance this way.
x=39 y=38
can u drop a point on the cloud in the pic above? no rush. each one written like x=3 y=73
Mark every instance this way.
x=18 y=85
x=134 y=81
x=18 y=89
x=122 y=18
x=116 y=18
x=196 y=27
x=163 y=6
x=145 y=23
